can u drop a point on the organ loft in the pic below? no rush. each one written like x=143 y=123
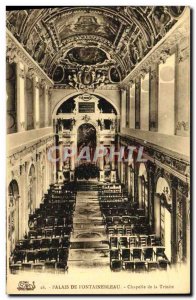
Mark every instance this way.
x=98 y=136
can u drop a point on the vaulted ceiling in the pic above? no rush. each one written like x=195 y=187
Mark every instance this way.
x=68 y=42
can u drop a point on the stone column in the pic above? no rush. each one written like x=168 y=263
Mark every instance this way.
x=188 y=228
x=132 y=106
x=123 y=109
x=127 y=106
x=153 y=98
x=174 y=185
x=21 y=106
x=182 y=87
x=137 y=104
x=136 y=193
x=151 y=193
x=46 y=105
x=36 y=102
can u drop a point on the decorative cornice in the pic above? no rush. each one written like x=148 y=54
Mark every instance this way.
x=160 y=51
x=46 y=141
x=15 y=53
x=178 y=168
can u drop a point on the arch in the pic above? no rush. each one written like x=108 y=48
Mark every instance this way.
x=13 y=214
x=162 y=214
x=86 y=137
x=162 y=185
x=143 y=171
x=56 y=107
x=32 y=170
x=13 y=188
x=143 y=188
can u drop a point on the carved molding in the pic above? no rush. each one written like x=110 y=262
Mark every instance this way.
x=182 y=126
x=173 y=164
x=164 y=56
x=15 y=53
x=126 y=33
x=15 y=158
x=161 y=51
x=31 y=73
x=21 y=73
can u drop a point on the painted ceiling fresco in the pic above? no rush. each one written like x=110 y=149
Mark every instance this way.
x=90 y=46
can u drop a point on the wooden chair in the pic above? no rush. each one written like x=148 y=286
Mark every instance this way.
x=163 y=264
x=42 y=255
x=32 y=234
x=55 y=243
x=116 y=220
x=120 y=230
x=31 y=256
x=111 y=230
x=160 y=253
x=114 y=254
x=148 y=253
x=65 y=242
x=38 y=266
x=125 y=254
x=143 y=240
x=53 y=254
x=113 y=242
x=62 y=266
x=50 y=264
x=19 y=257
x=46 y=243
x=123 y=242
x=140 y=266
x=136 y=253
x=116 y=265
x=14 y=268
x=132 y=241
x=126 y=220
x=35 y=244
x=26 y=266
x=152 y=266
x=128 y=230
x=129 y=265
x=63 y=255
x=49 y=232
x=152 y=240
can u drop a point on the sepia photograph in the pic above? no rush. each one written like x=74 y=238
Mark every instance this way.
x=98 y=195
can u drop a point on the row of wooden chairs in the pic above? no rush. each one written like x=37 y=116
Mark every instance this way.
x=38 y=243
x=124 y=219
x=132 y=241
x=39 y=266
x=127 y=229
x=138 y=253
x=50 y=231
x=139 y=266
x=50 y=221
x=58 y=206
x=42 y=255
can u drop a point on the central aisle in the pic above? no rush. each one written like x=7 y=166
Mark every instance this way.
x=89 y=243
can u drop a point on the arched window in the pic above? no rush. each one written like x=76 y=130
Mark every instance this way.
x=162 y=214
x=143 y=188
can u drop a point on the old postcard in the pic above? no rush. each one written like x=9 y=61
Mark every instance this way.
x=98 y=150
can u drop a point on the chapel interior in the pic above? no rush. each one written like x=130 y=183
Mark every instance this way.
x=98 y=76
